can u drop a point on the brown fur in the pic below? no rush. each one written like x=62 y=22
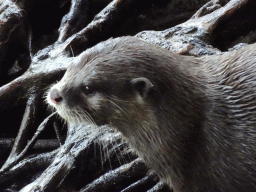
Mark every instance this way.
x=193 y=120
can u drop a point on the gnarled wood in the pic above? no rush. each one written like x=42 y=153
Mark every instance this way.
x=31 y=60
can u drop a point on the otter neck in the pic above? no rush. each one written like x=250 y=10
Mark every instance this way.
x=173 y=135
x=183 y=136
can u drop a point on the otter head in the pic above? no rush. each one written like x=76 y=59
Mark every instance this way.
x=140 y=90
x=106 y=86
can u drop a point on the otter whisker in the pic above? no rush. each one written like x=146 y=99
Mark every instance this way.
x=77 y=117
x=90 y=118
x=87 y=117
x=116 y=105
x=106 y=154
x=105 y=151
x=119 y=108
x=101 y=155
x=117 y=148
x=119 y=160
x=116 y=99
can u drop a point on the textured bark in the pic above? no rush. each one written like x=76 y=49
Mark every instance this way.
x=39 y=39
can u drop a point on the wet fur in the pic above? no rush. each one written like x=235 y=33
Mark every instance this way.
x=196 y=127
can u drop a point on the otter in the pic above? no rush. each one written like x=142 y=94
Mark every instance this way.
x=192 y=120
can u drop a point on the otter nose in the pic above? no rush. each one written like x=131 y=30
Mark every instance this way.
x=55 y=96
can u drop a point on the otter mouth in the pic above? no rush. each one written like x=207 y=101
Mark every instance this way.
x=72 y=115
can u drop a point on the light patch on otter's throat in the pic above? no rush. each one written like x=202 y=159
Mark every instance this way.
x=95 y=100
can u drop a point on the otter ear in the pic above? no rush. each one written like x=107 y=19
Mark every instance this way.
x=142 y=85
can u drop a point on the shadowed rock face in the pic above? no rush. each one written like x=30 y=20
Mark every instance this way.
x=190 y=119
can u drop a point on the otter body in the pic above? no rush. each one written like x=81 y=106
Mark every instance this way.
x=192 y=120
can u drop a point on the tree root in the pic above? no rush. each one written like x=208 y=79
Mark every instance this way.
x=84 y=158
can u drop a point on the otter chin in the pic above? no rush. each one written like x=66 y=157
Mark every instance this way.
x=192 y=120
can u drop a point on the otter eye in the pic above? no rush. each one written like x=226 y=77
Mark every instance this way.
x=87 y=90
